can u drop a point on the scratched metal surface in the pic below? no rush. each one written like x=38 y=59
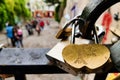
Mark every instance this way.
x=92 y=12
x=96 y=8
x=17 y=56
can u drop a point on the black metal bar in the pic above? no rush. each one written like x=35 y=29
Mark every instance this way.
x=19 y=76
x=30 y=69
x=101 y=76
x=92 y=12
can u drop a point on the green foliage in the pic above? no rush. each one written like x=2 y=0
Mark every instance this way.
x=64 y=3
x=2 y=1
x=3 y=16
x=56 y=13
x=10 y=9
x=17 y=8
x=59 y=10
x=9 y=5
x=52 y=1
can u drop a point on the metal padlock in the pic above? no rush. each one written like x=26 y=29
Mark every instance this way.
x=55 y=54
x=115 y=54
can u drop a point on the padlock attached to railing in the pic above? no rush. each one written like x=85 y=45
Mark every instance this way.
x=75 y=54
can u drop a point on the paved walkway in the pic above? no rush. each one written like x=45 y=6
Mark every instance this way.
x=45 y=40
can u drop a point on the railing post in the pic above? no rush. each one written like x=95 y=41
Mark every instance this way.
x=19 y=76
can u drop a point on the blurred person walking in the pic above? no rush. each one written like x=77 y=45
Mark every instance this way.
x=38 y=29
x=10 y=34
x=34 y=23
x=16 y=37
x=106 y=22
x=41 y=24
x=20 y=35
x=29 y=28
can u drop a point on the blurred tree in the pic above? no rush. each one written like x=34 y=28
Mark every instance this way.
x=57 y=18
x=10 y=9
x=52 y=2
x=9 y=5
x=2 y=1
x=3 y=16
x=59 y=8
x=17 y=7
x=21 y=10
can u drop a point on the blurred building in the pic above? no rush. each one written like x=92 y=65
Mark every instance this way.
x=40 y=9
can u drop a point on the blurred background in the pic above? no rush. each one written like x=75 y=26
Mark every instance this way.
x=38 y=21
